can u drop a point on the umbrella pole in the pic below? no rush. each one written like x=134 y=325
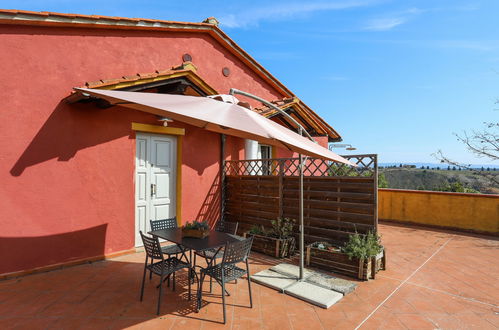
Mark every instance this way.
x=301 y=131
x=300 y=210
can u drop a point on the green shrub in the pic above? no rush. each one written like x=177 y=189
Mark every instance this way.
x=197 y=225
x=282 y=227
x=362 y=246
x=257 y=230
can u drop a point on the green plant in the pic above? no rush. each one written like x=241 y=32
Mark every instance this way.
x=282 y=227
x=197 y=225
x=257 y=230
x=362 y=246
x=382 y=182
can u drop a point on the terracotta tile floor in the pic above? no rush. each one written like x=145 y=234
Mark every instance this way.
x=435 y=280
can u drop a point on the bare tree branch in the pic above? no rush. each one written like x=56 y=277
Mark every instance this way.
x=483 y=144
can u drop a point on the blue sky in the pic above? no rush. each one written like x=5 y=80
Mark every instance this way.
x=395 y=78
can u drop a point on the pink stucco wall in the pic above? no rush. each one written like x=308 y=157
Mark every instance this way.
x=66 y=171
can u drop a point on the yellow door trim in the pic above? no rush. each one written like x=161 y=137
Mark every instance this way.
x=157 y=129
x=180 y=139
x=179 y=133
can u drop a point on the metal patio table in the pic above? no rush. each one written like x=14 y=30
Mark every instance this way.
x=215 y=240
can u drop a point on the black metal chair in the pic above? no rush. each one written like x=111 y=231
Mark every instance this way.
x=172 y=249
x=227 y=270
x=223 y=227
x=210 y=254
x=163 y=268
x=169 y=223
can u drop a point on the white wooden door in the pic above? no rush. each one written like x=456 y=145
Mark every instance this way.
x=155 y=180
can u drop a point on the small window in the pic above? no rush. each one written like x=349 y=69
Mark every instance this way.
x=265 y=152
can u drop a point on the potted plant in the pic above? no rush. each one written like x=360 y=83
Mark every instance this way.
x=277 y=241
x=196 y=229
x=362 y=256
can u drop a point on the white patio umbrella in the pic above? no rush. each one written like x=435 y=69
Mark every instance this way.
x=225 y=118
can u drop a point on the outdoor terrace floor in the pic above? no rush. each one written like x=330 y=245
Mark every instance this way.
x=434 y=280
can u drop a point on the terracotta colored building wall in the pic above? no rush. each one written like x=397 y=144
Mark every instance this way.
x=66 y=171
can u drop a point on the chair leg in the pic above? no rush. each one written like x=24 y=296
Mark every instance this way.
x=211 y=279
x=150 y=271
x=173 y=286
x=160 y=294
x=223 y=297
x=249 y=283
x=189 y=286
x=143 y=280
x=200 y=291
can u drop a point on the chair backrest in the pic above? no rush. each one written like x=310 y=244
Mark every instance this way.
x=152 y=247
x=164 y=224
x=227 y=227
x=237 y=251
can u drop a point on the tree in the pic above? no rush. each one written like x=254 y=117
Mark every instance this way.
x=457 y=187
x=483 y=144
x=382 y=182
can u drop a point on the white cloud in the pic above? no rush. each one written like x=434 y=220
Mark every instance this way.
x=254 y=16
x=393 y=20
x=384 y=24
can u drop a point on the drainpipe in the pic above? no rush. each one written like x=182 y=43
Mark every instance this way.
x=222 y=177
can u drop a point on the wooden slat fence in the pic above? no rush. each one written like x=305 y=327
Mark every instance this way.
x=338 y=199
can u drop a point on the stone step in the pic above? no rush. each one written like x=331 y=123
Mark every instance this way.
x=314 y=294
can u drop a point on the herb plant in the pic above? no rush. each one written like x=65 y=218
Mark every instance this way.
x=197 y=225
x=362 y=246
x=282 y=227
x=257 y=230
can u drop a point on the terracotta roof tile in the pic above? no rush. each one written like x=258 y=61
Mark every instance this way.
x=147 y=75
x=96 y=17
x=131 y=78
x=93 y=84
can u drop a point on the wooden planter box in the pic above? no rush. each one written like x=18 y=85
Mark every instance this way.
x=275 y=247
x=194 y=233
x=338 y=262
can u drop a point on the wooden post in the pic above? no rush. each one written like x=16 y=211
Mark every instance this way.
x=308 y=256
x=281 y=188
x=361 y=269
x=373 y=267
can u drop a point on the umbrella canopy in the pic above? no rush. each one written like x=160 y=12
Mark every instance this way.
x=217 y=116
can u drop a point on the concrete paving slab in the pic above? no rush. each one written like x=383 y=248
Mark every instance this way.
x=314 y=294
x=273 y=279
x=333 y=283
x=291 y=270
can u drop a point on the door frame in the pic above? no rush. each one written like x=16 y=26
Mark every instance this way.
x=179 y=134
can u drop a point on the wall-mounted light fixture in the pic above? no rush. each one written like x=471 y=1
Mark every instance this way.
x=339 y=145
x=165 y=120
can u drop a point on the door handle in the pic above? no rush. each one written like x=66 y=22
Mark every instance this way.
x=153 y=189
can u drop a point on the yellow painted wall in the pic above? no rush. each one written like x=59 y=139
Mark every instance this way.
x=477 y=212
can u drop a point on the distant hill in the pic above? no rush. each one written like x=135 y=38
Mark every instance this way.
x=419 y=179
x=441 y=165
